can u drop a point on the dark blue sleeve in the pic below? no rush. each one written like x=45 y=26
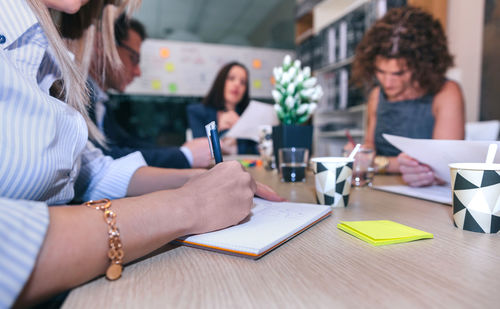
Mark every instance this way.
x=198 y=116
x=167 y=157
x=116 y=135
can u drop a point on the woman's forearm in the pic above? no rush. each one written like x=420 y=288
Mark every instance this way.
x=76 y=244
x=149 y=179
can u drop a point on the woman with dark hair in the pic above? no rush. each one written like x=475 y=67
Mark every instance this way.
x=225 y=102
x=402 y=61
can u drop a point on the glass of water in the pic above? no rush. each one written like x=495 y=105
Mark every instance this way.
x=363 y=168
x=293 y=164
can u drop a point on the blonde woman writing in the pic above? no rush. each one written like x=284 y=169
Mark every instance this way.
x=46 y=159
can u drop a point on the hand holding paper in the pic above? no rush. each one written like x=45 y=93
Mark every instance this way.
x=227 y=120
x=256 y=114
x=437 y=154
x=416 y=174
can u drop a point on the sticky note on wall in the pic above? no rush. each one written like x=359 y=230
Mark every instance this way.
x=164 y=52
x=156 y=84
x=172 y=87
x=257 y=63
x=169 y=67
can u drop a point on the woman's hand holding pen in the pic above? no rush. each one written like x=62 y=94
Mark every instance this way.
x=221 y=197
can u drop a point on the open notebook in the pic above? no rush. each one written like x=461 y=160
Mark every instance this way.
x=269 y=225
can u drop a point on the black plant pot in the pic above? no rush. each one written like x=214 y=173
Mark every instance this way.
x=286 y=136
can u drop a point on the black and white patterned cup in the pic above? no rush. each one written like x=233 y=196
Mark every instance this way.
x=333 y=177
x=476 y=196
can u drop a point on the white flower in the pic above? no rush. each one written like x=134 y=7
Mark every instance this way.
x=296 y=92
x=277 y=96
x=299 y=78
x=308 y=92
x=286 y=78
x=318 y=93
x=308 y=83
x=290 y=102
x=291 y=89
x=287 y=60
x=307 y=72
x=278 y=73
x=302 y=109
x=312 y=108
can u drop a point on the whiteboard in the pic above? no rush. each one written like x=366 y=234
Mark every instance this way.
x=173 y=68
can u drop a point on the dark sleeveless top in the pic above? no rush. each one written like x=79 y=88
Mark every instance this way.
x=408 y=118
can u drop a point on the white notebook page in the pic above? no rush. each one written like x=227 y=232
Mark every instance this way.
x=270 y=223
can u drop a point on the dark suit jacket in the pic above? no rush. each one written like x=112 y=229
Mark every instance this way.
x=199 y=115
x=120 y=143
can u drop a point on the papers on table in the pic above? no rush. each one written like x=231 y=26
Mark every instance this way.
x=439 y=153
x=440 y=194
x=255 y=115
x=269 y=225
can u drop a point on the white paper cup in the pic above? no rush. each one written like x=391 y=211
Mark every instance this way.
x=476 y=196
x=332 y=176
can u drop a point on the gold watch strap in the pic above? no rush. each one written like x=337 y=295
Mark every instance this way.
x=381 y=163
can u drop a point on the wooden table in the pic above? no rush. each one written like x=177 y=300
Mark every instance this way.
x=322 y=267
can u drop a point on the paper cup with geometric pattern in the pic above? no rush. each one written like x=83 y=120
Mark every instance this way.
x=332 y=176
x=476 y=196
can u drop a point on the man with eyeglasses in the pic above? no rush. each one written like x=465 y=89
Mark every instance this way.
x=129 y=35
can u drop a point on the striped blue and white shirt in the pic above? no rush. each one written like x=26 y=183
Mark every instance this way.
x=45 y=157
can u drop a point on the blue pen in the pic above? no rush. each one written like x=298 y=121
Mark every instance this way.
x=213 y=141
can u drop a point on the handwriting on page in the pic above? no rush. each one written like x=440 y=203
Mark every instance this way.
x=279 y=212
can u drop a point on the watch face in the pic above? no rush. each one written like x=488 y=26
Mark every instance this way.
x=381 y=162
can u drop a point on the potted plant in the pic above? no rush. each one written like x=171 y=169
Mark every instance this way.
x=296 y=97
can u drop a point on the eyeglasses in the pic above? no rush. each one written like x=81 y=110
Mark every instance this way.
x=135 y=57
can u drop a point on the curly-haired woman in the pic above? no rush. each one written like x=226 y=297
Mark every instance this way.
x=402 y=61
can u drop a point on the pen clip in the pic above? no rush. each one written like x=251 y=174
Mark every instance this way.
x=213 y=140
x=208 y=128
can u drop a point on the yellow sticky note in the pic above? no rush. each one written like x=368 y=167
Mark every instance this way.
x=169 y=67
x=257 y=84
x=156 y=84
x=382 y=232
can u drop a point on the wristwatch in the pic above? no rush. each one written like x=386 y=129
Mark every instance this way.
x=381 y=163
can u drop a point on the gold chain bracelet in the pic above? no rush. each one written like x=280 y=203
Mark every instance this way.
x=115 y=252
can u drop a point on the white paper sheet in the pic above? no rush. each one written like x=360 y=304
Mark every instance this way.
x=256 y=114
x=439 y=153
x=440 y=194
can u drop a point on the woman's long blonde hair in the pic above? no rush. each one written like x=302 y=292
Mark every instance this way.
x=97 y=14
